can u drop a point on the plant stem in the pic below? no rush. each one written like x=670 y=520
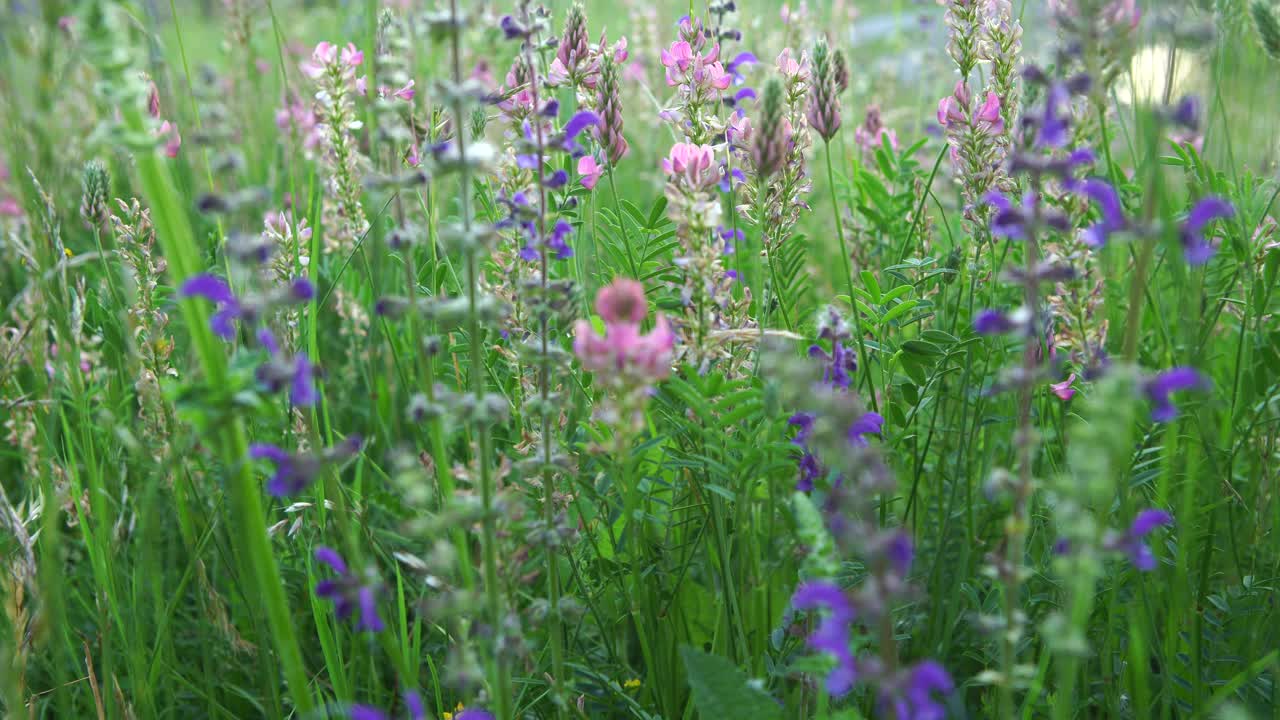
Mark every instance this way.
x=848 y=278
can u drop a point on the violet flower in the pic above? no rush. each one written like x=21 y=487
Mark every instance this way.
x=297 y=373
x=216 y=290
x=1131 y=542
x=1159 y=389
x=349 y=592
x=294 y=472
x=832 y=634
x=913 y=699
x=993 y=322
x=414 y=707
x=1108 y=201
x=869 y=424
x=1196 y=249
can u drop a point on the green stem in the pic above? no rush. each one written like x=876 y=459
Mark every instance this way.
x=848 y=278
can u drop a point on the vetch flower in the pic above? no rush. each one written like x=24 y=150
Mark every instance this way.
x=1194 y=246
x=350 y=592
x=832 y=634
x=1160 y=388
x=1063 y=389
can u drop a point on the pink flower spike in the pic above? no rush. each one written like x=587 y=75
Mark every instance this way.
x=351 y=57
x=590 y=170
x=1063 y=390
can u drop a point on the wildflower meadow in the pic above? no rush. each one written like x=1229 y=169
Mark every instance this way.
x=639 y=359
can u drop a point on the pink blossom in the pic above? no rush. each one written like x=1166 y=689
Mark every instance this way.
x=635 y=72
x=716 y=77
x=173 y=141
x=590 y=170
x=787 y=65
x=677 y=59
x=67 y=23
x=692 y=162
x=9 y=207
x=950 y=112
x=988 y=116
x=738 y=129
x=362 y=85
x=325 y=54
x=1063 y=390
x=406 y=93
x=482 y=73
x=623 y=349
x=620 y=53
x=351 y=57
x=557 y=73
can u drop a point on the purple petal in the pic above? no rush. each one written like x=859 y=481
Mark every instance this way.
x=367 y=712
x=473 y=714
x=267 y=339
x=1206 y=211
x=303 y=389
x=1149 y=520
x=302 y=290
x=413 y=702
x=1142 y=557
x=900 y=552
x=580 y=122
x=208 y=286
x=742 y=58
x=369 y=619
x=221 y=321
x=265 y=451
x=745 y=93
x=330 y=557
x=557 y=180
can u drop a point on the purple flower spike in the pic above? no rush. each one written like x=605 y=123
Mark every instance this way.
x=267 y=339
x=557 y=180
x=914 y=698
x=1009 y=221
x=1159 y=389
x=869 y=424
x=1196 y=249
x=832 y=634
x=474 y=714
x=349 y=592
x=1149 y=520
x=1053 y=126
x=367 y=712
x=900 y=551
x=579 y=122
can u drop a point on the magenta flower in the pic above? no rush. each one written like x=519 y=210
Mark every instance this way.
x=351 y=57
x=788 y=65
x=1063 y=389
x=988 y=118
x=406 y=93
x=623 y=349
x=590 y=170
x=325 y=54
x=693 y=163
x=676 y=59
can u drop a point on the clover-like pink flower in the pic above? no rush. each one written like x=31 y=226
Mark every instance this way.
x=693 y=163
x=623 y=349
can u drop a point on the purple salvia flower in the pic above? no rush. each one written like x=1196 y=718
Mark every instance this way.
x=901 y=552
x=1108 y=201
x=1159 y=389
x=216 y=290
x=1196 y=250
x=993 y=322
x=1132 y=543
x=1053 y=123
x=349 y=593
x=869 y=424
x=832 y=634
x=474 y=714
x=913 y=698
x=295 y=472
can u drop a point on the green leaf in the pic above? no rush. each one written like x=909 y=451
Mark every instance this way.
x=721 y=690
x=873 y=286
x=899 y=310
x=922 y=347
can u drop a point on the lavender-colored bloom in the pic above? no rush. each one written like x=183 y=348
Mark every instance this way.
x=1053 y=123
x=1194 y=246
x=832 y=634
x=1187 y=112
x=216 y=290
x=993 y=322
x=1108 y=201
x=557 y=180
x=914 y=699
x=294 y=472
x=810 y=467
x=474 y=714
x=558 y=241
x=579 y=122
x=1131 y=542
x=413 y=704
x=349 y=592
x=511 y=27
x=901 y=552
x=1159 y=389
x=740 y=60
x=840 y=364
x=302 y=290
x=1009 y=221
x=869 y=424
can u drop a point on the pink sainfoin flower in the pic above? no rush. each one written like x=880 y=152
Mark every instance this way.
x=693 y=164
x=871 y=133
x=590 y=170
x=790 y=67
x=623 y=349
x=167 y=131
x=987 y=119
x=1063 y=390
